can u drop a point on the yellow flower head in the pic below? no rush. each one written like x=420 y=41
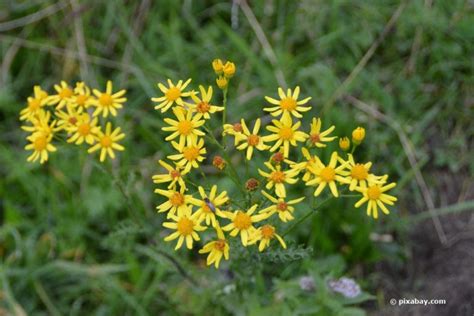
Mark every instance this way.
x=229 y=69
x=62 y=97
x=358 y=135
x=344 y=143
x=186 y=127
x=358 y=174
x=285 y=134
x=41 y=124
x=174 y=175
x=186 y=226
x=222 y=82
x=85 y=130
x=40 y=143
x=82 y=96
x=235 y=130
x=217 y=249
x=318 y=138
x=107 y=142
x=67 y=120
x=202 y=106
x=242 y=223
x=252 y=140
x=173 y=94
x=218 y=66
x=210 y=205
x=277 y=178
x=265 y=234
x=376 y=197
x=304 y=165
x=35 y=104
x=283 y=208
x=108 y=101
x=288 y=104
x=177 y=203
x=190 y=155
x=327 y=175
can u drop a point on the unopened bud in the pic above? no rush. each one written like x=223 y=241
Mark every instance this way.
x=358 y=135
x=218 y=162
x=218 y=66
x=252 y=184
x=344 y=143
x=222 y=82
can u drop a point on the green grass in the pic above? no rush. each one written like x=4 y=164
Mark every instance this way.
x=77 y=240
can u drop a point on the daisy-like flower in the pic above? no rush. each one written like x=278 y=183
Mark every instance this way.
x=211 y=205
x=327 y=175
x=318 y=138
x=177 y=203
x=288 y=104
x=173 y=94
x=82 y=96
x=174 y=175
x=253 y=140
x=190 y=155
x=202 y=106
x=67 y=120
x=304 y=165
x=234 y=130
x=358 y=174
x=376 y=197
x=63 y=96
x=285 y=134
x=217 y=249
x=35 y=104
x=186 y=126
x=40 y=124
x=186 y=226
x=86 y=130
x=108 y=101
x=264 y=235
x=242 y=223
x=284 y=208
x=277 y=178
x=40 y=143
x=107 y=142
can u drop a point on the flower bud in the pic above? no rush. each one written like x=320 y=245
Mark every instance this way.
x=358 y=135
x=252 y=184
x=229 y=69
x=218 y=162
x=222 y=82
x=218 y=66
x=278 y=157
x=344 y=143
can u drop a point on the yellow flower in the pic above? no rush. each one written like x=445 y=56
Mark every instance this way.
x=229 y=69
x=253 y=140
x=358 y=174
x=108 y=101
x=265 y=234
x=376 y=197
x=35 y=104
x=211 y=205
x=222 y=82
x=190 y=155
x=173 y=94
x=217 y=249
x=202 y=106
x=285 y=134
x=318 y=138
x=277 y=178
x=234 y=130
x=242 y=223
x=344 y=143
x=304 y=165
x=327 y=175
x=107 y=142
x=41 y=124
x=82 y=96
x=174 y=175
x=358 y=135
x=218 y=66
x=63 y=96
x=288 y=104
x=284 y=208
x=41 y=145
x=85 y=129
x=67 y=120
x=177 y=203
x=186 y=227
x=186 y=127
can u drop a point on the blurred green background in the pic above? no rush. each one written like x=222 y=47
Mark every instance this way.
x=76 y=240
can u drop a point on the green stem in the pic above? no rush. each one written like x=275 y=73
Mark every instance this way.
x=224 y=115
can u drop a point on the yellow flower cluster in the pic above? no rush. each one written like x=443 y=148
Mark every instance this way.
x=75 y=111
x=290 y=150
